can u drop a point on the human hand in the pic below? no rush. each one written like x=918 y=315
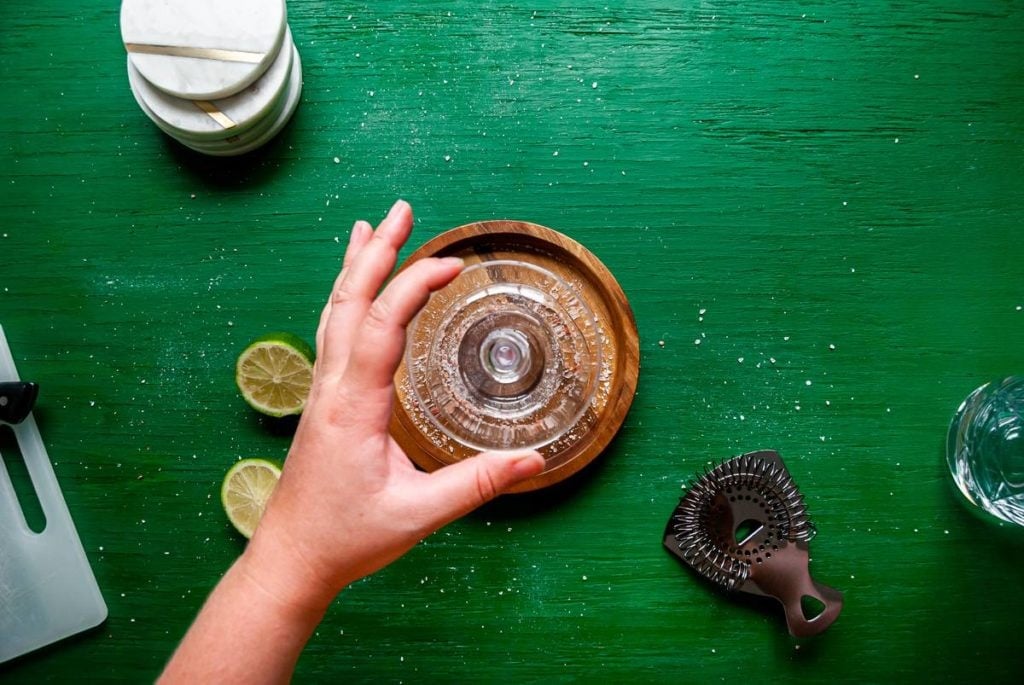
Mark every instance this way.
x=349 y=500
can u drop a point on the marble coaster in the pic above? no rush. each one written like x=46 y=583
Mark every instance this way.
x=259 y=133
x=225 y=146
x=202 y=49
x=257 y=129
x=217 y=119
x=290 y=105
x=180 y=51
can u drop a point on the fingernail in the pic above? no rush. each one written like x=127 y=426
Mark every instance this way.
x=453 y=261
x=358 y=232
x=528 y=465
x=398 y=205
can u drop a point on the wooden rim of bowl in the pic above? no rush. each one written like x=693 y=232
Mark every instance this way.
x=487 y=241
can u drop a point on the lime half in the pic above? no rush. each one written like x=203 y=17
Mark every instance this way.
x=246 y=490
x=274 y=374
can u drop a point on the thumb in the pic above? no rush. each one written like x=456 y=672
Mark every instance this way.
x=459 y=488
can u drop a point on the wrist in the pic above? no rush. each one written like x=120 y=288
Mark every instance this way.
x=286 y=581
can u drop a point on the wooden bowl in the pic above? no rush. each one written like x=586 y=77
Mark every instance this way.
x=591 y=282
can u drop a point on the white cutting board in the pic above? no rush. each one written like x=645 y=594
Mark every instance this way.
x=47 y=589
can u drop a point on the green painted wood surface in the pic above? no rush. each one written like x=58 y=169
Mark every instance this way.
x=810 y=174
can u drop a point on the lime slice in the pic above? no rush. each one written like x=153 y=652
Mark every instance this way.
x=274 y=374
x=246 y=489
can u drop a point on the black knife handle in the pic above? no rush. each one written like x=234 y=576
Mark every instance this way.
x=17 y=400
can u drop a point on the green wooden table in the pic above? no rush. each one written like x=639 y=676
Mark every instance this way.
x=825 y=195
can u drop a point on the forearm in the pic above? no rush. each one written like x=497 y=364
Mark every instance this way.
x=249 y=630
x=349 y=501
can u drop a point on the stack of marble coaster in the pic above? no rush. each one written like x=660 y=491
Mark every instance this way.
x=222 y=77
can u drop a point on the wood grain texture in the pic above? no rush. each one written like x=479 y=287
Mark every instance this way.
x=770 y=179
x=617 y=368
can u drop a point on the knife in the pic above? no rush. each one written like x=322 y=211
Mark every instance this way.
x=16 y=400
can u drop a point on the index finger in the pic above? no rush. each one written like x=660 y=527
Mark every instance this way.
x=378 y=349
x=364 y=277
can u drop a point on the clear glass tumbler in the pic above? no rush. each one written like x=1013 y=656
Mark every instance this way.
x=985 y=449
x=508 y=356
